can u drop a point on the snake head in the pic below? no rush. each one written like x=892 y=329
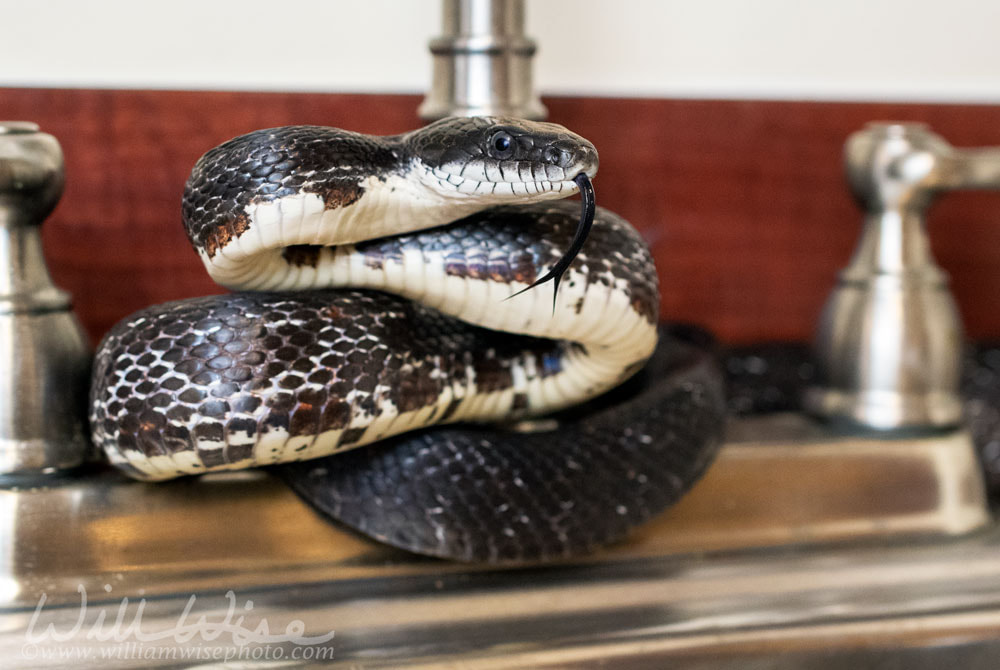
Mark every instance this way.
x=500 y=159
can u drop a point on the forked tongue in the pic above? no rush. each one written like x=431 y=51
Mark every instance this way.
x=555 y=273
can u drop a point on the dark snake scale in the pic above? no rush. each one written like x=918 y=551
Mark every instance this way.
x=382 y=353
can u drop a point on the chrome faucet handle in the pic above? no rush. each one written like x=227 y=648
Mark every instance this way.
x=44 y=357
x=889 y=344
x=32 y=177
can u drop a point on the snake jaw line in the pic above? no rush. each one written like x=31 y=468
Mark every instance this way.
x=556 y=272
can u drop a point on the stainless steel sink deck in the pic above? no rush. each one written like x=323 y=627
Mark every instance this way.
x=794 y=586
x=919 y=602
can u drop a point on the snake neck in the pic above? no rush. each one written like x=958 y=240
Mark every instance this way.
x=249 y=199
x=257 y=249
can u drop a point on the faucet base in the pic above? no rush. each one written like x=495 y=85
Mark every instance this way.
x=779 y=480
x=783 y=479
x=705 y=585
x=887 y=410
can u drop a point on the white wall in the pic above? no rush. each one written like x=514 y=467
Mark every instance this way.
x=833 y=49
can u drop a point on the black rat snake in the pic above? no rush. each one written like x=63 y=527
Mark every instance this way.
x=382 y=290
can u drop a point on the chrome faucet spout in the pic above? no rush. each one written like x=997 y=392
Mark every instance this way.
x=482 y=63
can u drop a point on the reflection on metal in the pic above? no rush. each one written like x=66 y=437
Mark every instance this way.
x=44 y=359
x=668 y=597
x=874 y=522
x=782 y=480
x=482 y=63
x=890 y=338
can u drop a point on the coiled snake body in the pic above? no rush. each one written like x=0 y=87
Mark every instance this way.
x=376 y=277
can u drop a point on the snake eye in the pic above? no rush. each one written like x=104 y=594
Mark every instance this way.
x=501 y=145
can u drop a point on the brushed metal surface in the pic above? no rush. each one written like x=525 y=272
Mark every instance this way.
x=797 y=544
x=482 y=63
x=920 y=603
x=890 y=338
x=44 y=358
